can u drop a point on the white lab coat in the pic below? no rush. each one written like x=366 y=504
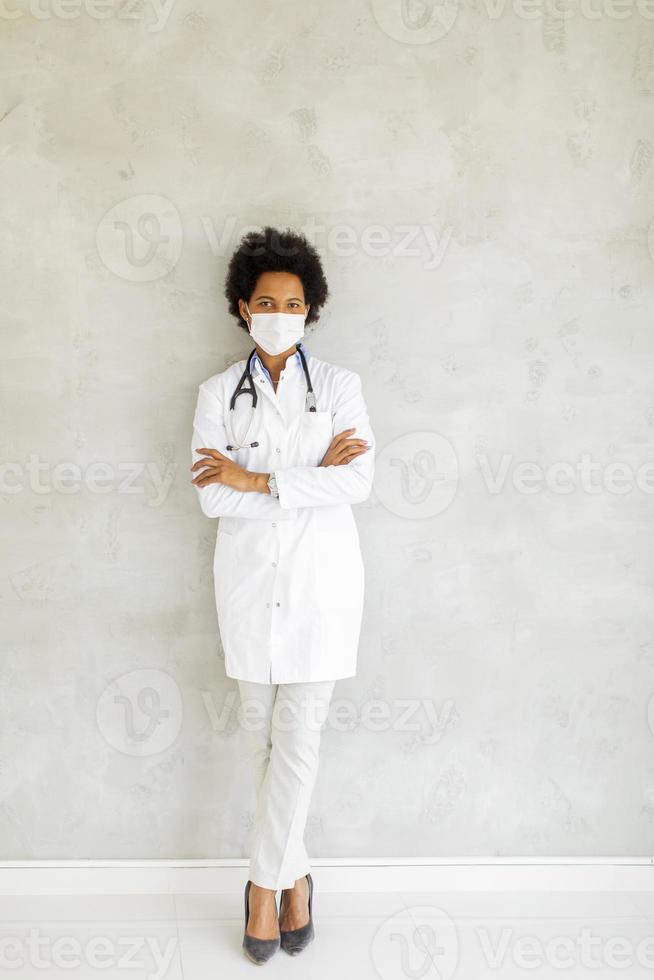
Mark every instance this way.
x=288 y=571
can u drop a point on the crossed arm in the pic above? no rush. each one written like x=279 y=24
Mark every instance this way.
x=226 y=488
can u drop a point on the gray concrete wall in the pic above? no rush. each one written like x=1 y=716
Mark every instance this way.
x=478 y=179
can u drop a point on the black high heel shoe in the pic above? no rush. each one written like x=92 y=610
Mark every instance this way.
x=257 y=950
x=293 y=941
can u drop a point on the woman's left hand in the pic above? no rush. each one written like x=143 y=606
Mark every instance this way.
x=217 y=468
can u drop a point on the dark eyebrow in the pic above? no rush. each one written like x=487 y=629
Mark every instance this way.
x=288 y=300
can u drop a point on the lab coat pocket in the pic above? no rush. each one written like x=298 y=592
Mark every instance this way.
x=316 y=434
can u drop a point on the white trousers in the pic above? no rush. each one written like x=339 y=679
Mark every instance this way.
x=281 y=729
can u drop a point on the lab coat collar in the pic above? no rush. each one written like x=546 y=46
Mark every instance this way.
x=292 y=366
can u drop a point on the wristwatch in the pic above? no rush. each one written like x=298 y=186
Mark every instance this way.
x=272 y=484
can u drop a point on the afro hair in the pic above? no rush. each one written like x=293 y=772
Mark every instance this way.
x=271 y=250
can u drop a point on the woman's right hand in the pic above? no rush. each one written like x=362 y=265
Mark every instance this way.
x=342 y=449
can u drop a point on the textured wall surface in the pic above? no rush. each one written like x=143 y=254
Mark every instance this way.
x=478 y=179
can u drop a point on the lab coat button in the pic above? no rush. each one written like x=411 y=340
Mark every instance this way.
x=274 y=524
x=278 y=450
x=274 y=564
x=276 y=603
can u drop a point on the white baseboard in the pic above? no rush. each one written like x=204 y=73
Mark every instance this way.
x=332 y=875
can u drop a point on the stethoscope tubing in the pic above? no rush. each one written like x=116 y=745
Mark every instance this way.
x=309 y=404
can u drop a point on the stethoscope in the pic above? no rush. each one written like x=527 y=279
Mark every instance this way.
x=309 y=403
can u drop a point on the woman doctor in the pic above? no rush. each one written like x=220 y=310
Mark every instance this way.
x=282 y=447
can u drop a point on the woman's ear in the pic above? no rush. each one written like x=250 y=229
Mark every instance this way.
x=242 y=308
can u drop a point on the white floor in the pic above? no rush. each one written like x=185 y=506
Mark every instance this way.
x=392 y=936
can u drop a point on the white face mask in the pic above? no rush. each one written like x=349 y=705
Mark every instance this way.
x=276 y=332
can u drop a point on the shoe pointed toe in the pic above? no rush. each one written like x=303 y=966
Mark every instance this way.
x=257 y=950
x=293 y=941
